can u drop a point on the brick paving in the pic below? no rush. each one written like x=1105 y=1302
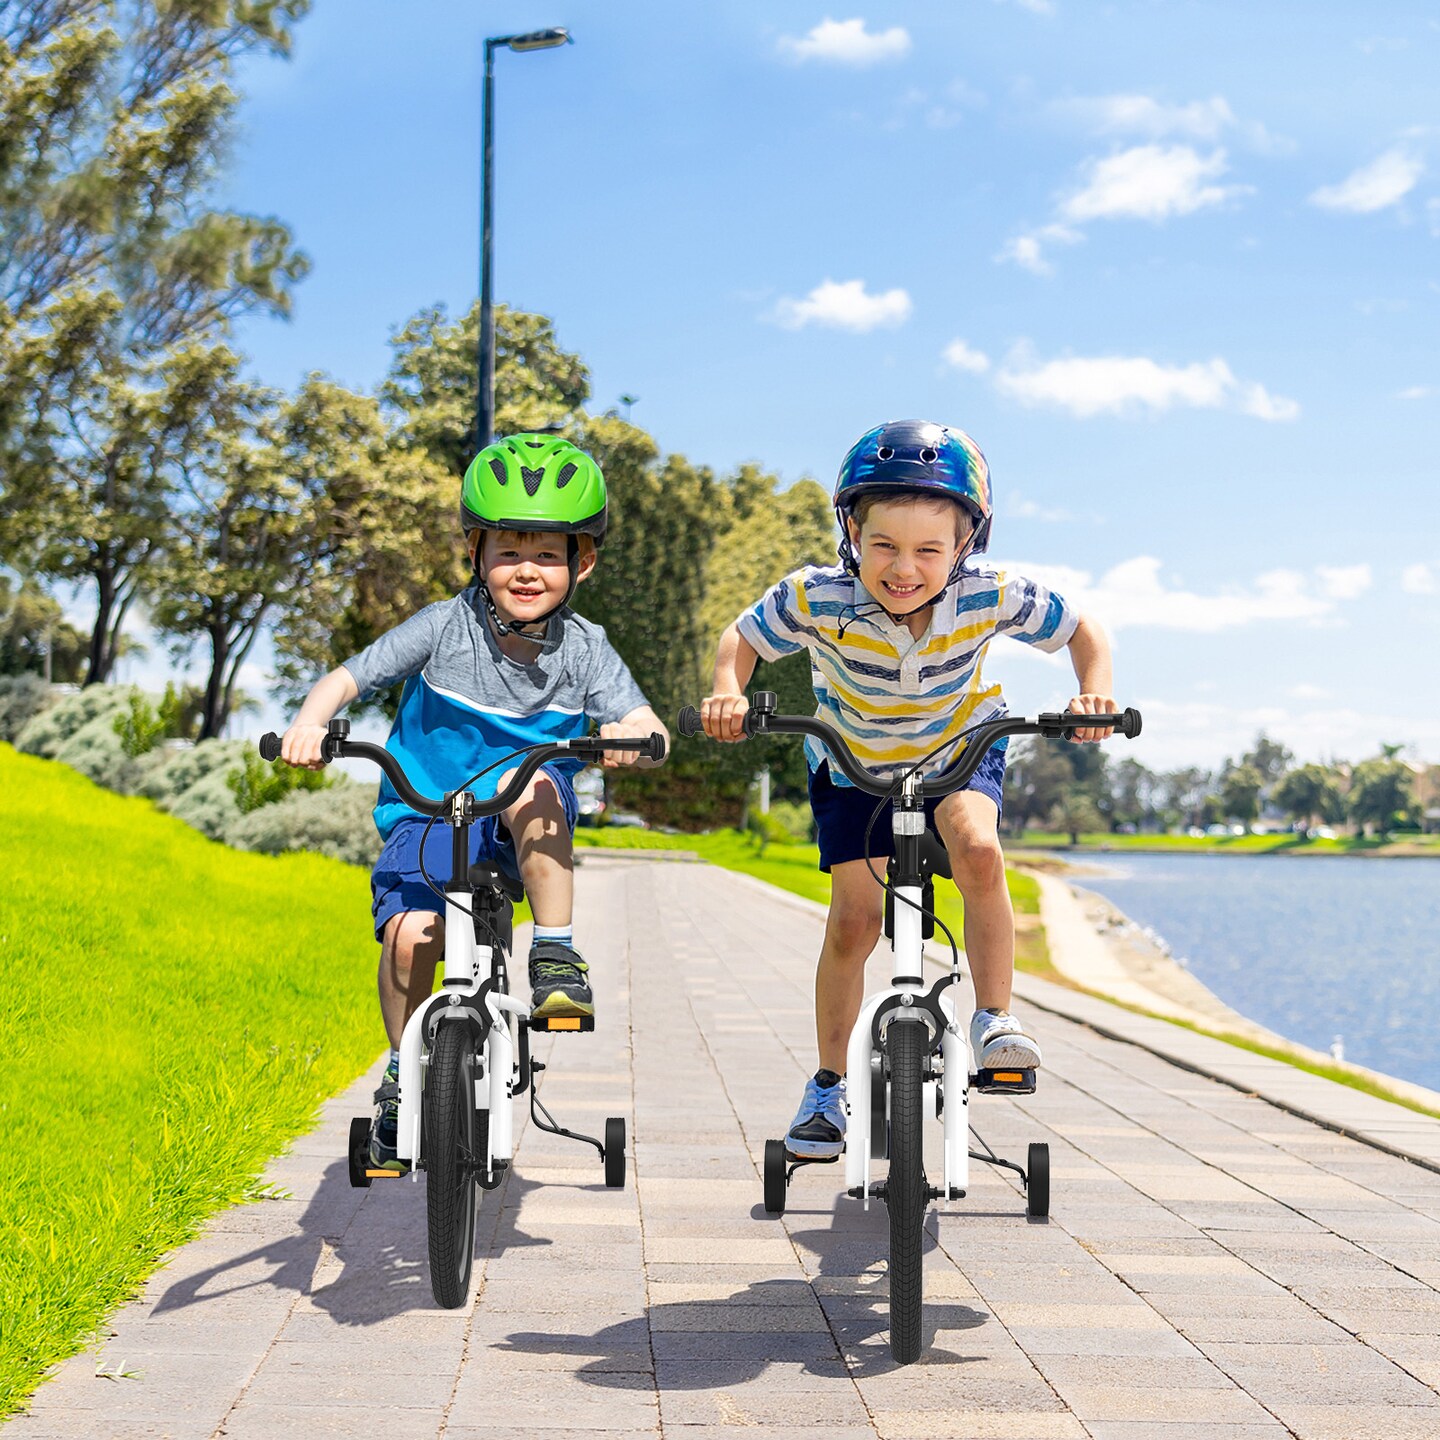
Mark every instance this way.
x=1213 y=1266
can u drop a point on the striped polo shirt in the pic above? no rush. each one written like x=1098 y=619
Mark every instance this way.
x=893 y=697
x=466 y=703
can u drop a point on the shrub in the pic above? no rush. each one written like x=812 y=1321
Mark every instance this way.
x=143 y=726
x=22 y=697
x=335 y=822
x=795 y=818
x=51 y=728
x=209 y=805
x=262 y=783
x=189 y=765
x=99 y=754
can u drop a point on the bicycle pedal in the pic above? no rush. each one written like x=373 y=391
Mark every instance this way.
x=574 y=1023
x=1003 y=1082
x=387 y=1174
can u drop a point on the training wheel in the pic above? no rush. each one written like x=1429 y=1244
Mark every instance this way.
x=615 y=1152
x=359 y=1155
x=775 y=1166
x=1037 y=1180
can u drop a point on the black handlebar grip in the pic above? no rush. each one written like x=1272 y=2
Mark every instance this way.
x=270 y=746
x=688 y=722
x=1130 y=726
x=657 y=746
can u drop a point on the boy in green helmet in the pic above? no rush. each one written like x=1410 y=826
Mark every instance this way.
x=504 y=664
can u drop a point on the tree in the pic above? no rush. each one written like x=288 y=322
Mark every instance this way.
x=1075 y=813
x=1269 y=758
x=35 y=638
x=1382 y=794
x=111 y=266
x=1312 y=795
x=1183 y=793
x=1037 y=780
x=1240 y=793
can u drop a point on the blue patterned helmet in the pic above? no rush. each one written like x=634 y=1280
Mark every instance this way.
x=916 y=457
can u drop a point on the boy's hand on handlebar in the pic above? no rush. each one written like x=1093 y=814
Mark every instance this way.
x=723 y=716
x=1092 y=705
x=621 y=730
x=300 y=746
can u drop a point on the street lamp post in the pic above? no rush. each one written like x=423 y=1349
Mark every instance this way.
x=534 y=40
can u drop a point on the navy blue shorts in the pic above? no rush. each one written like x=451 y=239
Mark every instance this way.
x=395 y=882
x=842 y=811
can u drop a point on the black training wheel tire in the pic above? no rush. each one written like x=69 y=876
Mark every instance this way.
x=359 y=1155
x=776 y=1165
x=615 y=1152
x=907 y=1042
x=1037 y=1180
x=451 y=1138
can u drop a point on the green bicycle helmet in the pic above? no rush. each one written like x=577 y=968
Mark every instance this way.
x=534 y=482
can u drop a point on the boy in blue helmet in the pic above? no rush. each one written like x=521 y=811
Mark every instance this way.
x=896 y=633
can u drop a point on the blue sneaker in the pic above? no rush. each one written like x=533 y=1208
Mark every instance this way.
x=818 y=1130
x=385 y=1132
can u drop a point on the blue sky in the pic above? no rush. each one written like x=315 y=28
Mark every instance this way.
x=1176 y=266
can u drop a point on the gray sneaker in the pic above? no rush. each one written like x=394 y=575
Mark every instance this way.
x=385 y=1132
x=557 y=981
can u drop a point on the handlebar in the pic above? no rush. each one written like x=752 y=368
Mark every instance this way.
x=336 y=746
x=761 y=719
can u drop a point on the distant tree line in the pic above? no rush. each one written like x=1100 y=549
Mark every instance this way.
x=1075 y=789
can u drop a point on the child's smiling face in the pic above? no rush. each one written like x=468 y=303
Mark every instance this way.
x=527 y=572
x=907 y=548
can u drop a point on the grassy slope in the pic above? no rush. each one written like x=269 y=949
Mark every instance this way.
x=173 y=1012
x=1239 y=844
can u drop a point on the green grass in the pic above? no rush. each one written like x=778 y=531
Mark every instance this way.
x=1287 y=844
x=173 y=1012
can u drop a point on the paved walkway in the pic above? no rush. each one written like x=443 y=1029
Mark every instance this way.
x=1214 y=1266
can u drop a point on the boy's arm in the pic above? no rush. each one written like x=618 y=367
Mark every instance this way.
x=301 y=742
x=722 y=712
x=638 y=723
x=1090 y=655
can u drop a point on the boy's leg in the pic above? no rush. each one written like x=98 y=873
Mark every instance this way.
x=541 y=825
x=852 y=930
x=968 y=823
x=413 y=943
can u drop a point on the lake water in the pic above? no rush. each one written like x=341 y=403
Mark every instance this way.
x=1310 y=947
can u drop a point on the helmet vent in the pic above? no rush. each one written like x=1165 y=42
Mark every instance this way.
x=885 y=453
x=497 y=469
x=928 y=455
x=536 y=444
x=566 y=476
x=531 y=478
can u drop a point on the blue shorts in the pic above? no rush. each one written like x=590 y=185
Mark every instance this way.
x=396 y=884
x=842 y=811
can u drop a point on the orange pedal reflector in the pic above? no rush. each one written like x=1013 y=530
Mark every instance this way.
x=563 y=1022
x=1010 y=1077
x=385 y=1174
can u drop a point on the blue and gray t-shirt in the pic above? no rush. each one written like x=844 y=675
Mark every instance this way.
x=466 y=703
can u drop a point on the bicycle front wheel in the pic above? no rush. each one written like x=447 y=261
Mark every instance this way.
x=906 y=1043
x=451 y=1142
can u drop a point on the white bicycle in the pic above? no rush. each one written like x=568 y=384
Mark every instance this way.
x=465 y=1053
x=908 y=1053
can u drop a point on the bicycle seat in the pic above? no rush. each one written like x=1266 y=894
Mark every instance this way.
x=484 y=875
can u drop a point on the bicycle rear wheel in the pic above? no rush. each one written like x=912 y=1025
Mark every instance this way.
x=906 y=1044
x=451 y=1138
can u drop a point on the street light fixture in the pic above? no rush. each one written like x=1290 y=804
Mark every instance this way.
x=532 y=40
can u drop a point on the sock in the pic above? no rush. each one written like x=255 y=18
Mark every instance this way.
x=394 y=1062
x=559 y=934
x=826 y=1079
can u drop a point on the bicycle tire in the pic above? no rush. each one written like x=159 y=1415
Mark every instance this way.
x=776 y=1165
x=450 y=1162
x=906 y=1044
x=1037 y=1180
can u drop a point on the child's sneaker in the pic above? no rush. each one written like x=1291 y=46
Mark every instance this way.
x=385 y=1131
x=818 y=1129
x=998 y=1042
x=557 y=980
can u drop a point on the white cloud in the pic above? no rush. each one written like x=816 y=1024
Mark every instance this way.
x=1345 y=582
x=846 y=42
x=1131 y=595
x=1120 y=384
x=844 y=305
x=1030 y=510
x=1035 y=7
x=962 y=357
x=1144 y=115
x=1384 y=181
x=1418 y=392
x=1025 y=249
x=1310 y=692
x=1150 y=182
x=1418 y=580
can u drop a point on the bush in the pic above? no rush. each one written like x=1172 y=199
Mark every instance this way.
x=99 y=754
x=794 y=818
x=209 y=805
x=51 y=728
x=336 y=822
x=261 y=783
x=188 y=765
x=22 y=697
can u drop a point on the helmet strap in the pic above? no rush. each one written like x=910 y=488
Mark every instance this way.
x=851 y=562
x=524 y=628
